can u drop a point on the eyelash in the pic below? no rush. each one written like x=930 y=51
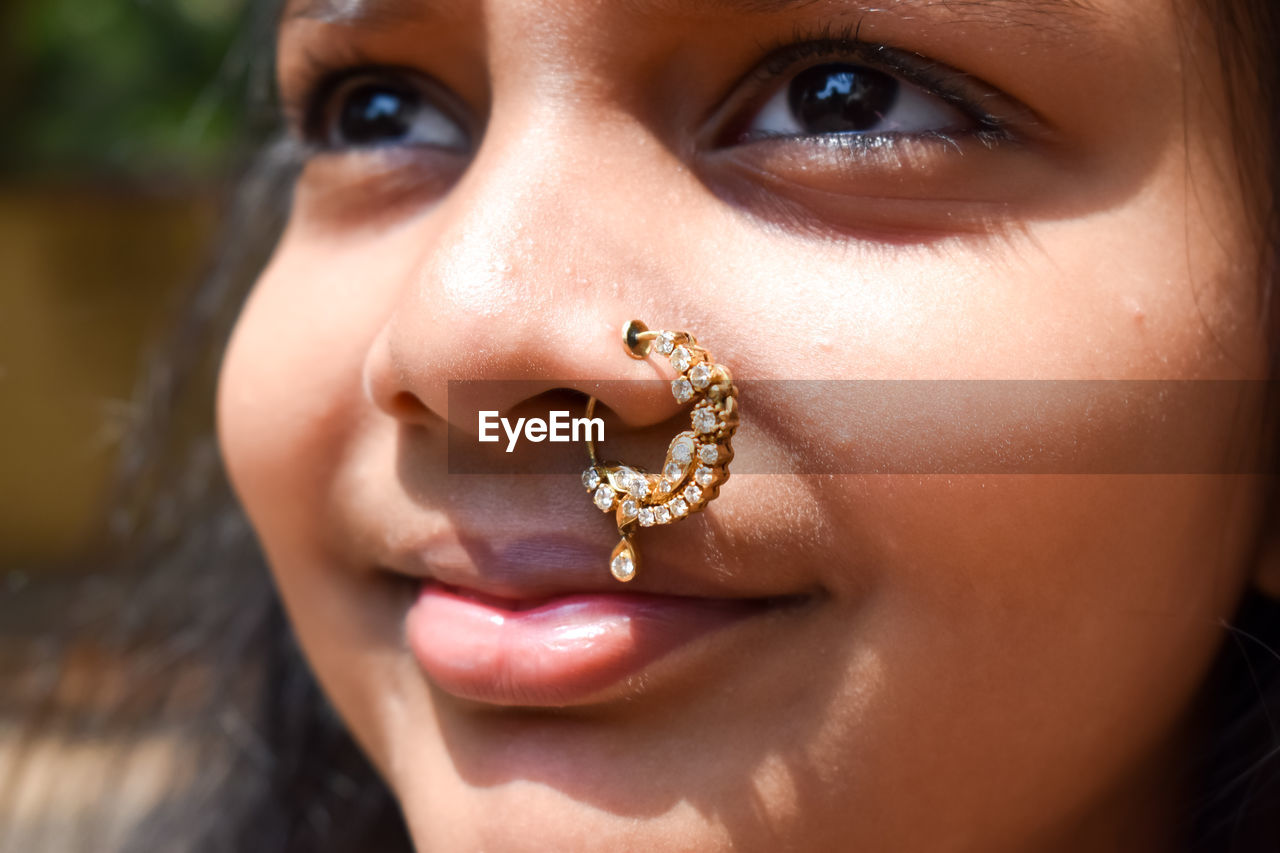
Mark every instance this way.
x=322 y=75
x=325 y=74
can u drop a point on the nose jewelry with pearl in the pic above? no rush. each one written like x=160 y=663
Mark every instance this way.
x=697 y=461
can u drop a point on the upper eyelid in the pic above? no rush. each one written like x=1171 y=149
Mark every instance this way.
x=317 y=70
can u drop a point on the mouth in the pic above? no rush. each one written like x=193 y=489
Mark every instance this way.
x=533 y=619
x=560 y=650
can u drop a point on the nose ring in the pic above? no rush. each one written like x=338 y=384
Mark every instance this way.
x=697 y=460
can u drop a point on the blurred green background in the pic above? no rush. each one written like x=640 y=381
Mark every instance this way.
x=120 y=126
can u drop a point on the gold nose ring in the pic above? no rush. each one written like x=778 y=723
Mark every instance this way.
x=697 y=460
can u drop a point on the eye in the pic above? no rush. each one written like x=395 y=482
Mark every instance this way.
x=846 y=98
x=386 y=109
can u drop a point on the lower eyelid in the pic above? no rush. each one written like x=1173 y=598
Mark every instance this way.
x=916 y=166
x=914 y=187
x=366 y=187
x=950 y=138
x=889 y=143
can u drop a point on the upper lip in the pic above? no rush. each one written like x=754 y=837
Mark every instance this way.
x=547 y=565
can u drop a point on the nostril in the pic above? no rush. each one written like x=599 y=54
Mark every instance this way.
x=406 y=406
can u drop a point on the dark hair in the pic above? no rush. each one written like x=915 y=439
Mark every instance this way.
x=211 y=657
x=1237 y=769
x=181 y=636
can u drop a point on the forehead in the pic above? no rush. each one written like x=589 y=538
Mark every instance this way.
x=1022 y=12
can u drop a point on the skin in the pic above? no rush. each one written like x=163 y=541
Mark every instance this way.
x=987 y=662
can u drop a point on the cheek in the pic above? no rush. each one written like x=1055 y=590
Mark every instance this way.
x=1060 y=622
x=1162 y=284
x=1017 y=621
x=293 y=411
x=292 y=416
x=1063 y=599
x=291 y=390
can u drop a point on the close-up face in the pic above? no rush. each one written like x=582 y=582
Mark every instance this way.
x=865 y=649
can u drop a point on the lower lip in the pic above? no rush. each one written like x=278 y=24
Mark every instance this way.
x=565 y=651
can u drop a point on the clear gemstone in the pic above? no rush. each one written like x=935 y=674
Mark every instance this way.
x=682 y=390
x=591 y=478
x=679 y=509
x=704 y=421
x=680 y=359
x=646 y=517
x=604 y=498
x=630 y=508
x=633 y=483
x=623 y=567
x=661 y=515
x=700 y=376
x=673 y=472
x=709 y=454
x=665 y=343
x=682 y=450
x=704 y=476
x=693 y=493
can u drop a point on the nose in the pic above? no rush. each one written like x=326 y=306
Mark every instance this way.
x=524 y=276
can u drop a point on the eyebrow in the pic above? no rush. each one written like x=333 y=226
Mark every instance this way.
x=390 y=12
x=376 y=12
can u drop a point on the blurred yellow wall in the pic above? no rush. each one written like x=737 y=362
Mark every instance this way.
x=86 y=279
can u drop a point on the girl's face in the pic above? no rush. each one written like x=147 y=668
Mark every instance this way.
x=926 y=189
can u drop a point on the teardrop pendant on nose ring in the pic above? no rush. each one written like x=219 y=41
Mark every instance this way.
x=697 y=461
x=624 y=562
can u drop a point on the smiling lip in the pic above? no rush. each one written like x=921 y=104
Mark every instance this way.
x=557 y=651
